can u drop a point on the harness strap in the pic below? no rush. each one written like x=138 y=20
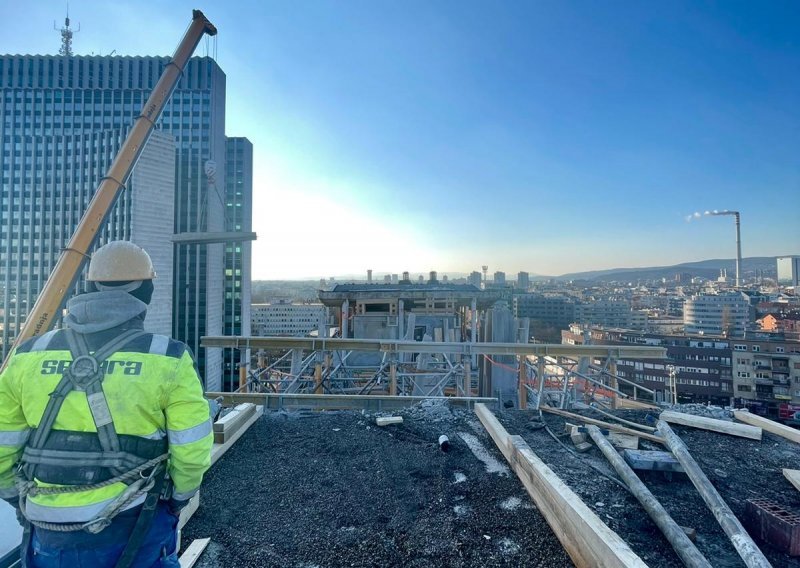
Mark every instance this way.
x=143 y=522
x=101 y=415
x=119 y=460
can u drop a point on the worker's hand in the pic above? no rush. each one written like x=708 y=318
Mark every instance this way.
x=174 y=506
x=15 y=503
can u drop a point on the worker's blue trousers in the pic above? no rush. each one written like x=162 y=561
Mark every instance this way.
x=51 y=549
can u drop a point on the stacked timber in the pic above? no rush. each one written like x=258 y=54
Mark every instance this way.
x=232 y=422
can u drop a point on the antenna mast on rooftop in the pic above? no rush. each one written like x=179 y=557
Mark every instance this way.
x=66 y=36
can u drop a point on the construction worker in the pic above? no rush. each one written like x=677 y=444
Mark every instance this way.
x=104 y=431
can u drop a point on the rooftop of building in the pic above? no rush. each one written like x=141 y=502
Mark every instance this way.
x=343 y=492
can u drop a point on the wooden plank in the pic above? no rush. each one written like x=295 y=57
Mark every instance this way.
x=793 y=475
x=652 y=460
x=218 y=450
x=587 y=540
x=721 y=426
x=189 y=510
x=623 y=441
x=635 y=404
x=386 y=420
x=768 y=425
x=238 y=418
x=193 y=551
x=607 y=425
x=376 y=403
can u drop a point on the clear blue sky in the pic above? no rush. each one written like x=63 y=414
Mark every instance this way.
x=543 y=136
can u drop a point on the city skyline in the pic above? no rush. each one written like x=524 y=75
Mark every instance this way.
x=552 y=138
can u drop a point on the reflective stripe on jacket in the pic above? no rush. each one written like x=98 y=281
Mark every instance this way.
x=152 y=390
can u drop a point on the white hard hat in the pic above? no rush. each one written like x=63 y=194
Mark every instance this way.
x=120 y=260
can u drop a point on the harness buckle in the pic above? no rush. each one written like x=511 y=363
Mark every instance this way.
x=83 y=370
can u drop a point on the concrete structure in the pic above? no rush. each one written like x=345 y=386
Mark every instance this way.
x=789 y=271
x=474 y=279
x=152 y=194
x=766 y=370
x=238 y=219
x=499 y=279
x=523 y=281
x=286 y=319
x=57 y=116
x=717 y=314
x=702 y=365
x=608 y=313
x=385 y=310
x=548 y=313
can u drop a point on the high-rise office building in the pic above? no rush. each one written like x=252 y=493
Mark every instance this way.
x=52 y=109
x=43 y=195
x=523 y=281
x=789 y=270
x=238 y=218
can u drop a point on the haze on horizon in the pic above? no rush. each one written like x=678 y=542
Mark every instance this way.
x=551 y=137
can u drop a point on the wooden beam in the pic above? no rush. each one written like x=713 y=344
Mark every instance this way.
x=683 y=547
x=744 y=545
x=721 y=426
x=377 y=403
x=460 y=348
x=227 y=426
x=587 y=540
x=768 y=425
x=635 y=404
x=793 y=475
x=606 y=425
x=387 y=420
x=218 y=450
x=193 y=551
x=623 y=441
x=652 y=461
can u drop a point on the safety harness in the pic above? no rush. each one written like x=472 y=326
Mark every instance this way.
x=104 y=458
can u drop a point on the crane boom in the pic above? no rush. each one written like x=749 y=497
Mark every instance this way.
x=51 y=299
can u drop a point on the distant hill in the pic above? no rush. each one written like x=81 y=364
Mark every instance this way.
x=701 y=268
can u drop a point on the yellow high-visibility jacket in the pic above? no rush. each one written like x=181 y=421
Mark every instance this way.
x=153 y=393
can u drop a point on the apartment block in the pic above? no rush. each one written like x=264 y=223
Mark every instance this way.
x=766 y=370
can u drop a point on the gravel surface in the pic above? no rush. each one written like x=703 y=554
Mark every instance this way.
x=329 y=489
x=740 y=469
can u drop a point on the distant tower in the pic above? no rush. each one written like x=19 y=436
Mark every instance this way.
x=66 y=36
x=485 y=275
